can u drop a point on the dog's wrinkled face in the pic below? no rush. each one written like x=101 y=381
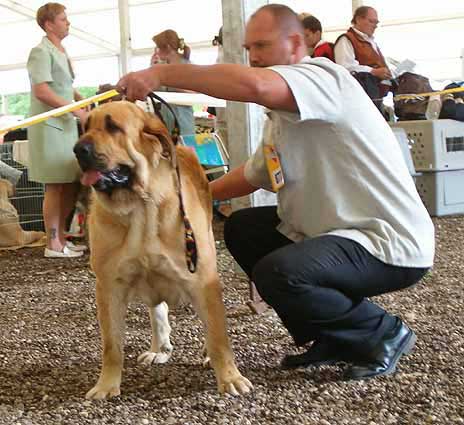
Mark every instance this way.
x=119 y=143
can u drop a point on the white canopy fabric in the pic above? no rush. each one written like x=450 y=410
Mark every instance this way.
x=94 y=40
x=426 y=31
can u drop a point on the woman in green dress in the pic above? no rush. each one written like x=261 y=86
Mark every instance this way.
x=52 y=160
x=172 y=49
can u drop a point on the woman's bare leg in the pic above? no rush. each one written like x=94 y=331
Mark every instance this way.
x=68 y=203
x=52 y=215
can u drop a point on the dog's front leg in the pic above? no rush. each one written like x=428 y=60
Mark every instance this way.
x=210 y=308
x=112 y=307
x=161 y=348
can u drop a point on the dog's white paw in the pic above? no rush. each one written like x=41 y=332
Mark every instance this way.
x=101 y=392
x=237 y=386
x=206 y=363
x=149 y=357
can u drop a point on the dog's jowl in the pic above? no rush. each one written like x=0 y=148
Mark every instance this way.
x=138 y=239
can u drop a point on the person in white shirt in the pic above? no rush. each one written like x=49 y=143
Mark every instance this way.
x=357 y=51
x=349 y=223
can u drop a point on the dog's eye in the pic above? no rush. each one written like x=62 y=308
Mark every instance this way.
x=111 y=126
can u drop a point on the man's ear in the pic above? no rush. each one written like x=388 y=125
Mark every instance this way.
x=154 y=129
x=297 y=40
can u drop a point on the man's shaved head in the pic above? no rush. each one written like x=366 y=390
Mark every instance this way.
x=274 y=36
x=285 y=18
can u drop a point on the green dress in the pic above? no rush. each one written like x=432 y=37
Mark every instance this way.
x=51 y=157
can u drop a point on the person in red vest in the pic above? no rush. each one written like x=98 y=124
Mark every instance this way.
x=313 y=39
x=357 y=51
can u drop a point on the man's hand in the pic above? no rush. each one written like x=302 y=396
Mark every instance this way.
x=383 y=73
x=136 y=85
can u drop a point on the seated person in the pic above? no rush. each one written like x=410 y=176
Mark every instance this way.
x=313 y=39
x=357 y=51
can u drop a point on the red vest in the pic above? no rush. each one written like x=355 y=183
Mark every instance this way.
x=325 y=50
x=364 y=53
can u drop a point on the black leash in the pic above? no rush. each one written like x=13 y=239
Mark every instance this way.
x=191 y=252
x=176 y=130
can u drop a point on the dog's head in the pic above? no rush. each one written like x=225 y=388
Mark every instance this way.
x=120 y=146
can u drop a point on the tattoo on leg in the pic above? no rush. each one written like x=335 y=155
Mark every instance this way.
x=53 y=233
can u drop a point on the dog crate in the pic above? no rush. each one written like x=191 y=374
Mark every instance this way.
x=441 y=191
x=436 y=145
x=437 y=149
x=28 y=196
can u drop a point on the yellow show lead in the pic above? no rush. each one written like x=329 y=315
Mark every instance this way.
x=59 y=111
x=433 y=93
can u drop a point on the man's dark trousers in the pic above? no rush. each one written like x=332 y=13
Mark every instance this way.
x=318 y=286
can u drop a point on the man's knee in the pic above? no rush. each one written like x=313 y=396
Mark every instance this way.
x=269 y=278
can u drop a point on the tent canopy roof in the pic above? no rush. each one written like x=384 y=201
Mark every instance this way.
x=428 y=32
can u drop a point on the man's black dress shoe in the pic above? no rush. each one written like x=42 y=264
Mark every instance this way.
x=385 y=356
x=320 y=353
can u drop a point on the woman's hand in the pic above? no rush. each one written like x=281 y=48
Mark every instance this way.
x=82 y=114
x=136 y=85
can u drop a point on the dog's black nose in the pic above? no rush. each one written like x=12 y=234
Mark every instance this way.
x=85 y=153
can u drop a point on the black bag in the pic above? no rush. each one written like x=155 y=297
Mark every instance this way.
x=452 y=110
x=456 y=85
x=411 y=109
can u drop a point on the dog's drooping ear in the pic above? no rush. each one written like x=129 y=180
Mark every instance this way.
x=154 y=127
x=111 y=126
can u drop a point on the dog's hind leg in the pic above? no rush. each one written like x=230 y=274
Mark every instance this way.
x=161 y=348
x=112 y=308
x=210 y=307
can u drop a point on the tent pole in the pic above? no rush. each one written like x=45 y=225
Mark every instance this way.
x=125 y=37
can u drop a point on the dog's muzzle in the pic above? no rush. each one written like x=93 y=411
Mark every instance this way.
x=95 y=174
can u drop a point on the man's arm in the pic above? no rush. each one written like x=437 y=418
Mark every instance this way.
x=231 y=185
x=226 y=81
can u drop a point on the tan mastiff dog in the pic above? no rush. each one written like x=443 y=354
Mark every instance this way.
x=138 y=240
x=12 y=234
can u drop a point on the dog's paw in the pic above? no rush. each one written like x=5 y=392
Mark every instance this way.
x=101 y=392
x=206 y=362
x=237 y=386
x=149 y=357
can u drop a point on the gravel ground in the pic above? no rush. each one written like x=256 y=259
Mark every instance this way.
x=50 y=354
